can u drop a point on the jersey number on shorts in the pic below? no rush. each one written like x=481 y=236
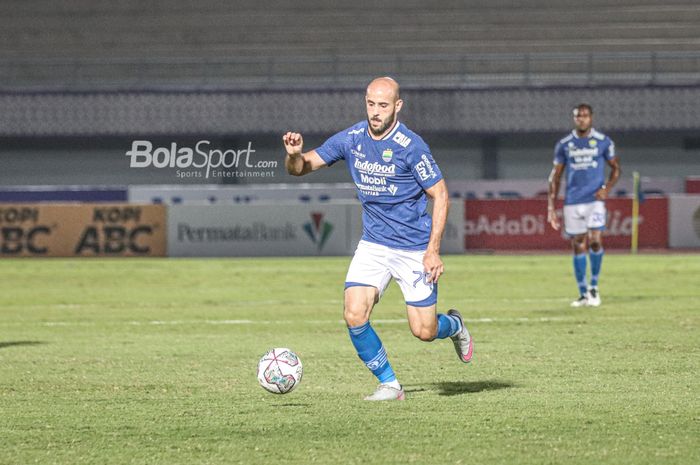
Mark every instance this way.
x=422 y=277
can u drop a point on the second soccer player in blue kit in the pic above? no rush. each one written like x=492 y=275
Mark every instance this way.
x=583 y=155
x=394 y=173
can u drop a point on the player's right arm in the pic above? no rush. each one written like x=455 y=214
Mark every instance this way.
x=296 y=162
x=553 y=192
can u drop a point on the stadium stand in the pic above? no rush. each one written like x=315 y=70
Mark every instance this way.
x=80 y=80
x=135 y=45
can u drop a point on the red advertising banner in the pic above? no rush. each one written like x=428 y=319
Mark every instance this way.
x=522 y=224
x=692 y=185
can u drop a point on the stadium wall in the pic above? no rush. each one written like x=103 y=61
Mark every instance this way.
x=236 y=113
x=312 y=228
x=104 y=160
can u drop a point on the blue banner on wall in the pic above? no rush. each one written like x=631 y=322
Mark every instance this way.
x=62 y=194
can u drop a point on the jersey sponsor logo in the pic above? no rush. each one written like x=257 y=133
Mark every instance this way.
x=425 y=169
x=582 y=158
x=356 y=131
x=358 y=153
x=375 y=168
x=387 y=154
x=375 y=180
x=371 y=190
x=393 y=189
x=581 y=151
x=401 y=139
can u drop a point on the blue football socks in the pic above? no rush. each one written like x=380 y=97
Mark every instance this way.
x=448 y=325
x=580 y=272
x=371 y=351
x=596 y=262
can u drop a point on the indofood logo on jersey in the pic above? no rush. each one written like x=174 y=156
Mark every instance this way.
x=583 y=158
x=318 y=230
x=375 y=168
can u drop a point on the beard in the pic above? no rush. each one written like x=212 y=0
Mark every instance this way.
x=384 y=125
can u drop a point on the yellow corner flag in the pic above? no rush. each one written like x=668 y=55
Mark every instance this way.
x=635 y=211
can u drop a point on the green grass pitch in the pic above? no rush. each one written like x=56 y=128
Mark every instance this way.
x=153 y=362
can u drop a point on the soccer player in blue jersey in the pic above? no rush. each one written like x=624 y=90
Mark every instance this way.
x=583 y=154
x=394 y=173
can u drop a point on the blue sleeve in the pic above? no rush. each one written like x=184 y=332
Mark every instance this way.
x=334 y=148
x=559 y=157
x=423 y=166
x=609 y=153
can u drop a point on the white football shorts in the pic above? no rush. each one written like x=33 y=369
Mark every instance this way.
x=375 y=265
x=581 y=217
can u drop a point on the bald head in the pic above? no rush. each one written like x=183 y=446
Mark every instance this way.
x=383 y=105
x=385 y=87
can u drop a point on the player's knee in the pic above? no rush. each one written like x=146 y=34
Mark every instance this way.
x=355 y=314
x=579 y=244
x=356 y=309
x=596 y=246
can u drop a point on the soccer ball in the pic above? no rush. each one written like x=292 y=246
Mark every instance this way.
x=279 y=370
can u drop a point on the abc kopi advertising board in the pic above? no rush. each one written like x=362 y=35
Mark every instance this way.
x=74 y=230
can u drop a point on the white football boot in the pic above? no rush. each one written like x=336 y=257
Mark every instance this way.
x=594 y=297
x=462 y=340
x=386 y=392
x=581 y=301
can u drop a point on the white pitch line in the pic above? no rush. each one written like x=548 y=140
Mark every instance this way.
x=286 y=322
x=249 y=303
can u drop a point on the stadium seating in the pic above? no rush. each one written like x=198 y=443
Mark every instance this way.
x=134 y=44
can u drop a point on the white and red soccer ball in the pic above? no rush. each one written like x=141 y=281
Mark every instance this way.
x=280 y=370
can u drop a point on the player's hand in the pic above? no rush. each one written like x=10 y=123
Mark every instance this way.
x=553 y=219
x=293 y=143
x=601 y=194
x=432 y=264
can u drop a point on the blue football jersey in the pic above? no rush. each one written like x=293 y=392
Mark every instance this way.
x=391 y=176
x=585 y=160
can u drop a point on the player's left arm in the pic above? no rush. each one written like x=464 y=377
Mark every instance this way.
x=615 y=172
x=432 y=262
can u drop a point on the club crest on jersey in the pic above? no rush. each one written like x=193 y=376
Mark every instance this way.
x=387 y=154
x=592 y=142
